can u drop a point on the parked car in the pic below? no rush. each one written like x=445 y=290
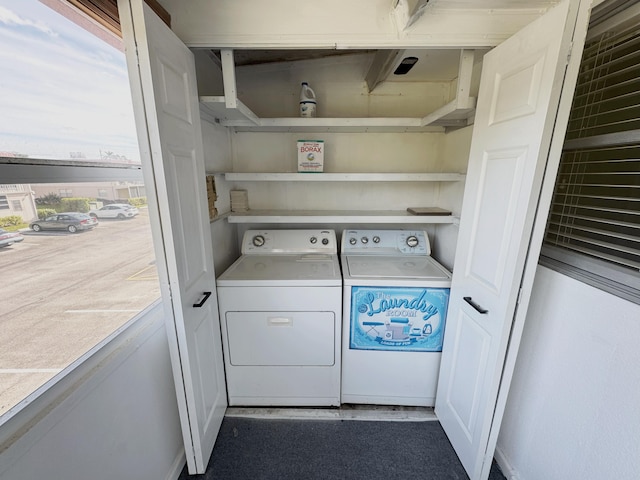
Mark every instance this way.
x=9 y=238
x=115 y=210
x=71 y=221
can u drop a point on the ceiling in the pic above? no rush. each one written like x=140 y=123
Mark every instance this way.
x=433 y=65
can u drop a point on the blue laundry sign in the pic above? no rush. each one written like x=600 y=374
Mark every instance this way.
x=398 y=318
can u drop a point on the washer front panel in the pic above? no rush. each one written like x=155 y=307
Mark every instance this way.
x=398 y=318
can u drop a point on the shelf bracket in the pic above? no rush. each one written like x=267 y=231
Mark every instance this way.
x=381 y=67
x=458 y=112
x=229 y=78
x=465 y=70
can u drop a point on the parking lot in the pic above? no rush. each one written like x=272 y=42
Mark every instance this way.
x=62 y=293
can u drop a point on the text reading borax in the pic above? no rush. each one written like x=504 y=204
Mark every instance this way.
x=310 y=155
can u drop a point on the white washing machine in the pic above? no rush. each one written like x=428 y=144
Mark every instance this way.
x=394 y=310
x=281 y=314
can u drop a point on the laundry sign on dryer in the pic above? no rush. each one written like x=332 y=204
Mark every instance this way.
x=398 y=318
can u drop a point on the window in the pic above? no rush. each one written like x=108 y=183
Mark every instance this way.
x=70 y=284
x=17 y=205
x=593 y=230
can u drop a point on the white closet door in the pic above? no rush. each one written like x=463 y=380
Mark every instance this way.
x=163 y=81
x=521 y=85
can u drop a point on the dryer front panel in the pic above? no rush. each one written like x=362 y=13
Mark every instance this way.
x=281 y=338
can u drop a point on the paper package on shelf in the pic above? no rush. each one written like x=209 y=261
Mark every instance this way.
x=310 y=156
x=239 y=200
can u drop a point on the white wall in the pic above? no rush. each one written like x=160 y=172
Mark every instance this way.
x=573 y=409
x=273 y=89
x=455 y=158
x=218 y=158
x=114 y=417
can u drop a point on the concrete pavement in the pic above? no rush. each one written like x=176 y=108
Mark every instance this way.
x=63 y=293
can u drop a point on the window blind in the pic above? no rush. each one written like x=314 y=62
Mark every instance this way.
x=595 y=210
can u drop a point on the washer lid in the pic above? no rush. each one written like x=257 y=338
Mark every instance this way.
x=295 y=270
x=394 y=267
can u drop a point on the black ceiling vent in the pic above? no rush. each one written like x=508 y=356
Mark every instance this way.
x=406 y=64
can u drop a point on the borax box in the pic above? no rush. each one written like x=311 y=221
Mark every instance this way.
x=310 y=155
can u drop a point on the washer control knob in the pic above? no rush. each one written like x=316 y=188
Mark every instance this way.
x=325 y=241
x=258 y=240
x=353 y=241
x=412 y=241
x=376 y=239
x=313 y=240
x=364 y=240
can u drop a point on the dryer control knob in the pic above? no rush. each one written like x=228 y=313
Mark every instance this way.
x=258 y=240
x=313 y=240
x=412 y=241
x=353 y=241
x=364 y=240
x=376 y=239
x=325 y=241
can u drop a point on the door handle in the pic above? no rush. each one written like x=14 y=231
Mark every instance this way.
x=204 y=299
x=477 y=307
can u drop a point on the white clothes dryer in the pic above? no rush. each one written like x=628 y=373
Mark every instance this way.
x=281 y=315
x=394 y=309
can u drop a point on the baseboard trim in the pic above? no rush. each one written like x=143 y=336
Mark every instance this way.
x=178 y=464
x=508 y=471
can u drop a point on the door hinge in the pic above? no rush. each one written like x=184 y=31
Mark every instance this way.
x=519 y=296
x=569 y=52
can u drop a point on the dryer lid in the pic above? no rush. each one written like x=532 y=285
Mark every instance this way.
x=295 y=270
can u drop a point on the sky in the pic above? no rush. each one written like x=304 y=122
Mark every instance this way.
x=62 y=90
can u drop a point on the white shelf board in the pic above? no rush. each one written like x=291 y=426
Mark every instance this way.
x=336 y=216
x=241 y=118
x=344 y=177
x=221 y=216
x=334 y=124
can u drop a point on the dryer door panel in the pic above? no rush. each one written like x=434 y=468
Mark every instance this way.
x=281 y=338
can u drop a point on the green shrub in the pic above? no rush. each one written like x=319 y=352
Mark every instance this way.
x=48 y=199
x=45 y=212
x=10 y=221
x=138 y=201
x=75 y=205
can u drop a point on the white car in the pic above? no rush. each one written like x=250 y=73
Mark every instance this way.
x=115 y=210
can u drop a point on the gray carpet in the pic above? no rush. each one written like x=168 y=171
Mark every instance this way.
x=269 y=449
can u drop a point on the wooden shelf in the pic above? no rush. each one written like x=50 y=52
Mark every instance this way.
x=239 y=117
x=344 y=177
x=337 y=216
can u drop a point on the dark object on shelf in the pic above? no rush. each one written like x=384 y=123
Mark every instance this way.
x=428 y=211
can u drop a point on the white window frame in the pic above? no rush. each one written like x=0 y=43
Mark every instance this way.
x=117 y=345
x=617 y=280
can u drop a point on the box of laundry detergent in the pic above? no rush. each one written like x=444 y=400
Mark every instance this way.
x=310 y=156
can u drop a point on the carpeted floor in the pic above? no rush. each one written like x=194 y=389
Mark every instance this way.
x=269 y=449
